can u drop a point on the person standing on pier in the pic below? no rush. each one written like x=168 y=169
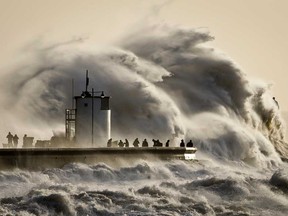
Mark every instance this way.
x=25 y=140
x=189 y=144
x=167 y=143
x=15 y=140
x=109 y=143
x=126 y=143
x=136 y=143
x=145 y=143
x=10 y=138
x=182 y=144
x=121 y=144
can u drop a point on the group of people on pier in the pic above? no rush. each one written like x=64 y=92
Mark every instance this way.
x=12 y=140
x=136 y=143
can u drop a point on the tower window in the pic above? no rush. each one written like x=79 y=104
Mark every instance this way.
x=86 y=104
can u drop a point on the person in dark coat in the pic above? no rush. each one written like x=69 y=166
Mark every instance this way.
x=144 y=143
x=109 y=143
x=189 y=144
x=136 y=143
x=15 y=140
x=154 y=142
x=121 y=144
x=126 y=143
x=157 y=143
x=25 y=140
x=167 y=143
x=10 y=139
x=182 y=144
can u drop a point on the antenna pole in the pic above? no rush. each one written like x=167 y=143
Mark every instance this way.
x=87 y=80
x=72 y=85
x=92 y=117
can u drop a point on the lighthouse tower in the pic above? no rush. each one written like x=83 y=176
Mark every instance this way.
x=90 y=123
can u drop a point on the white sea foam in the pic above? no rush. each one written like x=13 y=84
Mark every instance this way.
x=162 y=83
x=145 y=188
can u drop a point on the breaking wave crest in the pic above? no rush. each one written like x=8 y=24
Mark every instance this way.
x=163 y=83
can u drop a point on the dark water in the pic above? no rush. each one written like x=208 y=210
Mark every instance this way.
x=146 y=188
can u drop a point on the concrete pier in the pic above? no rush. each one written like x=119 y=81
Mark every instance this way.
x=41 y=158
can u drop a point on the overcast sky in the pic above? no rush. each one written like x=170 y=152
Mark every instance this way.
x=253 y=33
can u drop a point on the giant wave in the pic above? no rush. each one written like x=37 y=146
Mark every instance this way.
x=165 y=82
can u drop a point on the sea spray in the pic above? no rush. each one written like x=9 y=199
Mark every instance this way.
x=229 y=114
x=164 y=83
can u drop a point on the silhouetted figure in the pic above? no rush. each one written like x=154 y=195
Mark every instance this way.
x=276 y=102
x=182 y=144
x=109 y=143
x=126 y=143
x=136 y=143
x=157 y=143
x=121 y=144
x=144 y=143
x=167 y=143
x=189 y=144
x=15 y=140
x=10 y=138
x=25 y=140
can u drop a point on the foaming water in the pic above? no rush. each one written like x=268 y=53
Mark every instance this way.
x=145 y=188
